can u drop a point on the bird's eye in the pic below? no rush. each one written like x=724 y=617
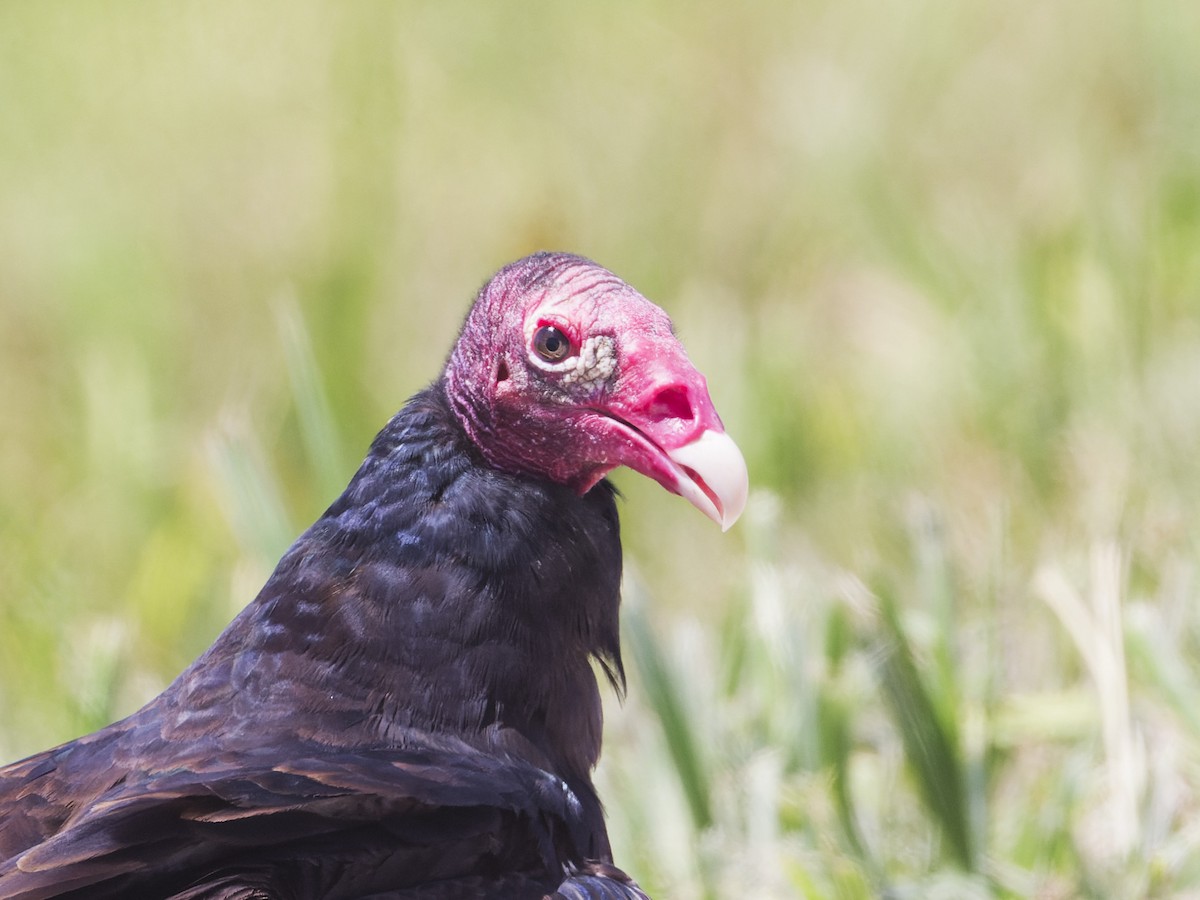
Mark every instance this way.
x=551 y=344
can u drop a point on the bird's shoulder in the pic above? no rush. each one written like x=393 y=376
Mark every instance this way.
x=365 y=688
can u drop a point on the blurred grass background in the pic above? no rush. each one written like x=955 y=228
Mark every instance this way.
x=939 y=260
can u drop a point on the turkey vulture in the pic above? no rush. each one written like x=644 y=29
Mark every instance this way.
x=408 y=709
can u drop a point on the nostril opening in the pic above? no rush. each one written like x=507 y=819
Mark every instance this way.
x=670 y=403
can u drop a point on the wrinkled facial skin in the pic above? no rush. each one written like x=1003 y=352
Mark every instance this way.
x=617 y=388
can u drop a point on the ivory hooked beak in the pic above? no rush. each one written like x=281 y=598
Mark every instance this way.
x=712 y=476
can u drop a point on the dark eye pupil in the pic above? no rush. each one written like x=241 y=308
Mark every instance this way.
x=550 y=343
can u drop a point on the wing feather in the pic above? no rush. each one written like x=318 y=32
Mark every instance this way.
x=421 y=801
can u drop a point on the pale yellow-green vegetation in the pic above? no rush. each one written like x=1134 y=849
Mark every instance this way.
x=940 y=261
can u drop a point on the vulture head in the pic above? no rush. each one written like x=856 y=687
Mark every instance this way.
x=564 y=371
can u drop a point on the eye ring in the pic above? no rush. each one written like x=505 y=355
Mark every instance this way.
x=551 y=344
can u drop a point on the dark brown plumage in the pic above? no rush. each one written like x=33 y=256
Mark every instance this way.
x=408 y=708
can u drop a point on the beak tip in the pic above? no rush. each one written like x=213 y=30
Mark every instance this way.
x=716 y=480
x=733 y=506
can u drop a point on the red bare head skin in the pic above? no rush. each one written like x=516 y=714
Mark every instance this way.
x=563 y=370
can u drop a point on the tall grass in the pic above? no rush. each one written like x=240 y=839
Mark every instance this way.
x=940 y=262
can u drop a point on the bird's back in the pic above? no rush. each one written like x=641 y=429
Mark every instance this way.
x=407 y=702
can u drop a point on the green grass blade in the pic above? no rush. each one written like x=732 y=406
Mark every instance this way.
x=253 y=497
x=930 y=743
x=318 y=427
x=661 y=686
